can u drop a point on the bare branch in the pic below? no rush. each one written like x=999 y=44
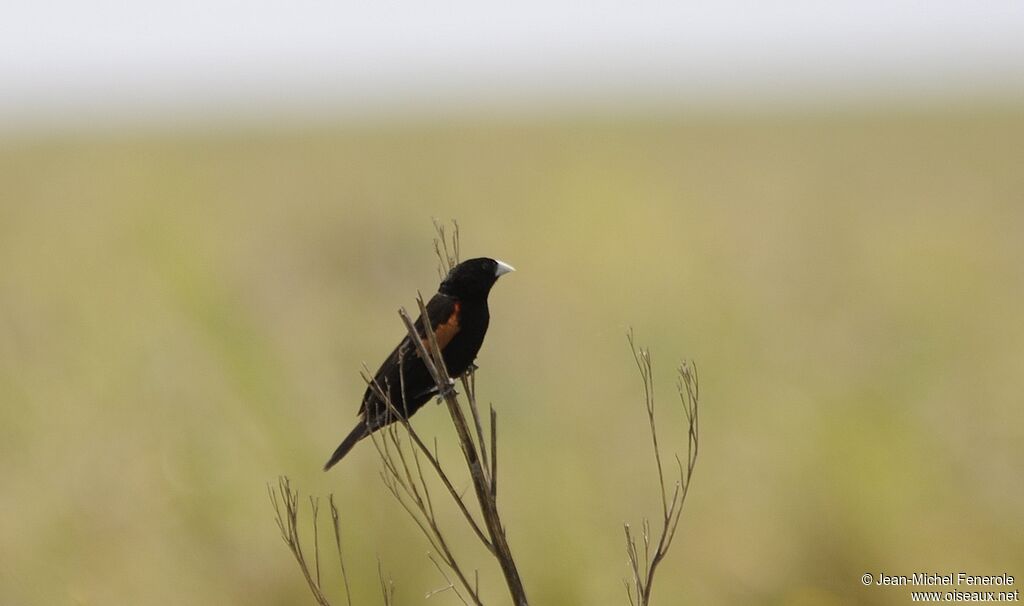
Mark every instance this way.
x=449 y=587
x=314 y=505
x=431 y=456
x=687 y=387
x=285 y=502
x=494 y=455
x=387 y=585
x=469 y=384
x=407 y=483
x=446 y=259
x=336 y=522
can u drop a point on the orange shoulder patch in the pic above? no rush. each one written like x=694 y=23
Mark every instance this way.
x=447 y=330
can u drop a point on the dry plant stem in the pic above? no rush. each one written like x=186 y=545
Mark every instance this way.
x=336 y=522
x=387 y=586
x=446 y=258
x=450 y=586
x=481 y=482
x=494 y=455
x=639 y=593
x=409 y=487
x=314 y=504
x=432 y=459
x=285 y=501
x=469 y=384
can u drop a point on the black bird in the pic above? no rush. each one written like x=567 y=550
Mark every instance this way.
x=459 y=316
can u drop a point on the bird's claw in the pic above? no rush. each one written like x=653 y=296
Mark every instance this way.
x=449 y=390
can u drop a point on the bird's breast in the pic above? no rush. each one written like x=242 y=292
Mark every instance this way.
x=465 y=343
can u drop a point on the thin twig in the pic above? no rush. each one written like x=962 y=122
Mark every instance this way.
x=494 y=455
x=285 y=502
x=336 y=522
x=407 y=483
x=469 y=384
x=687 y=387
x=314 y=504
x=435 y=462
x=387 y=586
x=449 y=587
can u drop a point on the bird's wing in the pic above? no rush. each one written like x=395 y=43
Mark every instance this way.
x=443 y=312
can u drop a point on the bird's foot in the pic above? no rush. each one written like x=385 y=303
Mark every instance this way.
x=449 y=390
x=470 y=370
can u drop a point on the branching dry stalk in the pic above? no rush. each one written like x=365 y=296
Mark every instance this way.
x=403 y=472
x=403 y=475
x=285 y=501
x=638 y=588
x=446 y=248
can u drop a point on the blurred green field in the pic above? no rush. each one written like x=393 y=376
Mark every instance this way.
x=182 y=318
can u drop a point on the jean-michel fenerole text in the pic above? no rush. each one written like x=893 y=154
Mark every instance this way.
x=946 y=580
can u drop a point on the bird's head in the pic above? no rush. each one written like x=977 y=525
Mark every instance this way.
x=473 y=278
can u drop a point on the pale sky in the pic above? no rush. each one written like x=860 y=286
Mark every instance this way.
x=67 y=60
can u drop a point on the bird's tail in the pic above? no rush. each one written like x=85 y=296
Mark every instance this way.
x=360 y=432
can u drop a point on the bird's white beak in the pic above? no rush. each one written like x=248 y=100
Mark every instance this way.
x=503 y=268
